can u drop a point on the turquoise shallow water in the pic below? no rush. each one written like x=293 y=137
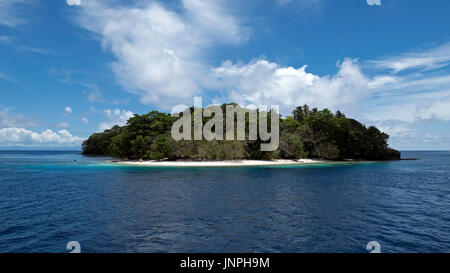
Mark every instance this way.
x=48 y=199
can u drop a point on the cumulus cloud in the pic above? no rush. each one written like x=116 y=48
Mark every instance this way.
x=160 y=56
x=84 y=120
x=8 y=119
x=396 y=128
x=160 y=53
x=402 y=115
x=68 y=110
x=435 y=110
x=28 y=138
x=13 y=133
x=115 y=117
x=73 y=2
x=409 y=136
x=263 y=82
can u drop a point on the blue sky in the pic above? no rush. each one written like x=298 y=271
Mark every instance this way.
x=69 y=68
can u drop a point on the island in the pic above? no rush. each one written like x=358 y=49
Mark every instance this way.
x=312 y=135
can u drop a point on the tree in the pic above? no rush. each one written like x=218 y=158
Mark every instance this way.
x=291 y=147
x=308 y=133
x=326 y=151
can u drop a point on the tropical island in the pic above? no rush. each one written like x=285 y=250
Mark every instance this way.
x=307 y=134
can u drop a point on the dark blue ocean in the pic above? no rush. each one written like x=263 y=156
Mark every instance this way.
x=47 y=199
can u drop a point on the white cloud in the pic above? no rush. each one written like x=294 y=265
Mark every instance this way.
x=115 y=117
x=24 y=137
x=413 y=100
x=267 y=83
x=5 y=40
x=436 y=110
x=73 y=2
x=408 y=136
x=160 y=53
x=13 y=133
x=211 y=20
x=306 y=3
x=96 y=96
x=8 y=119
x=374 y=2
x=428 y=59
x=63 y=125
x=6 y=78
x=396 y=128
x=10 y=12
x=34 y=50
x=84 y=120
x=383 y=80
x=415 y=109
x=68 y=110
x=416 y=95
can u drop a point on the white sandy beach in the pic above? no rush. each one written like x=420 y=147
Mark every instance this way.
x=229 y=163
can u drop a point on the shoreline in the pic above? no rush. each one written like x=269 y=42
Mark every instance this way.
x=225 y=163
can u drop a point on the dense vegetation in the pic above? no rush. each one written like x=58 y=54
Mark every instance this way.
x=305 y=134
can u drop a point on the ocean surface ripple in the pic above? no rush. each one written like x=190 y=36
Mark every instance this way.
x=51 y=198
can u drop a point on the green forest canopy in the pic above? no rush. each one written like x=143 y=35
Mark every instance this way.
x=308 y=133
